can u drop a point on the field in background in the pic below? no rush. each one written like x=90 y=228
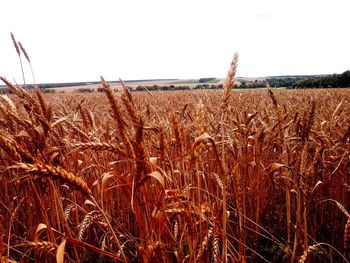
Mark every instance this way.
x=254 y=176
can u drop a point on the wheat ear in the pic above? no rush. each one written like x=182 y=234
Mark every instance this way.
x=56 y=173
x=19 y=55
x=86 y=223
x=28 y=59
x=99 y=146
x=7 y=260
x=229 y=82
x=43 y=245
x=347 y=235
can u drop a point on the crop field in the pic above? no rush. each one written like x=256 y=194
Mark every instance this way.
x=175 y=176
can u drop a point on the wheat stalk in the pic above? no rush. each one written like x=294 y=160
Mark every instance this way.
x=28 y=59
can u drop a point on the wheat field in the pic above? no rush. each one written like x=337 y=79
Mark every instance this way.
x=175 y=176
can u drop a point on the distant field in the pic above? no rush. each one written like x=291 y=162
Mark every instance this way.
x=196 y=81
x=132 y=84
x=148 y=83
x=175 y=176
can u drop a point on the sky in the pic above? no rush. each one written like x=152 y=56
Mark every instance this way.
x=81 y=40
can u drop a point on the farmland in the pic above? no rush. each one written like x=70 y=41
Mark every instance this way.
x=175 y=176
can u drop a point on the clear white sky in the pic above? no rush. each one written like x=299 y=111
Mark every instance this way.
x=79 y=40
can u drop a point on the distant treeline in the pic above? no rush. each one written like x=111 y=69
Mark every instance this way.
x=6 y=90
x=330 y=81
x=254 y=84
x=159 y=87
x=287 y=82
x=173 y=87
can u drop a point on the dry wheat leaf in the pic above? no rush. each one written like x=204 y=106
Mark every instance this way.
x=337 y=109
x=110 y=164
x=41 y=133
x=319 y=182
x=294 y=191
x=23 y=134
x=53 y=156
x=38 y=229
x=153 y=162
x=60 y=120
x=276 y=166
x=105 y=178
x=158 y=176
x=203 y=137
x=60 y=252
x=88 y=202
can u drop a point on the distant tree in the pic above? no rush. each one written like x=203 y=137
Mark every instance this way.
x=164 y=88
x=154 y=87
x=84 y=90
x=243 y=84
x=204 y=80
x=48 y=90
x=139 y=88
x=6 y=91
x=344 y=79
x=330 y=81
